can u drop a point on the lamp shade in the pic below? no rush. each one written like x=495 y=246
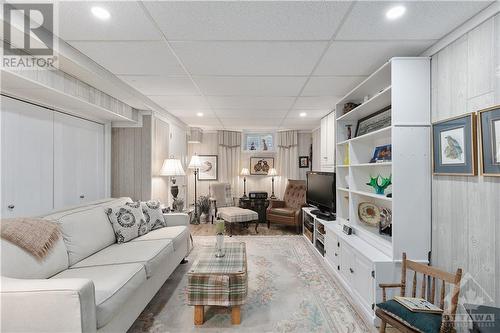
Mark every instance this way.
x=172 y=167
x=245 y=172
x=195 y=162
x=272 y=172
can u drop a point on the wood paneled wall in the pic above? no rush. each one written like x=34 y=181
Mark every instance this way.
x=137 y=156
x=466 y=210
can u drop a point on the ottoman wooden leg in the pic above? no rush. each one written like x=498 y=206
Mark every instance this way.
x=198 y=314
x=256 y=226
x=235 y=315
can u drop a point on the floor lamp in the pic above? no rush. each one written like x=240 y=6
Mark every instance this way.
x=272 y=172
x=195 y=165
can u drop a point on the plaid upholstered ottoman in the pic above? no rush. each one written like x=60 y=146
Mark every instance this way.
x=234 y=215
x=219 y=281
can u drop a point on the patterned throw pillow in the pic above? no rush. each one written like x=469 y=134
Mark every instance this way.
x=128 y=221
x=153 y=214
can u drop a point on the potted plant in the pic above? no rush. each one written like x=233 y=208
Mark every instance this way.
x=204 y=207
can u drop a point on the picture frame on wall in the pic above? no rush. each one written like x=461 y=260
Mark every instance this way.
x=210 y=168
x=303 y=162
x=374 y=122
x=454 y=145
x=260 y=166
x=489 y=141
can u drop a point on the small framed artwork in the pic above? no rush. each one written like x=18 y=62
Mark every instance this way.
x=455 y=146
x=374 y=122
x=303 y=162
x=261 y=165
x=489 y=141
x=382 y=154
x=209 y=170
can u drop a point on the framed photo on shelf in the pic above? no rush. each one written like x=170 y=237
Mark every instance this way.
x=382 y=154
x=209 y=170
x=374 y=122
x=454 y=146
x=489 y=141
x=261 y=165
x=303 y=162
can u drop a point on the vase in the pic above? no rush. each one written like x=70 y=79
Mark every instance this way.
x=219 y=245
x=203 y=218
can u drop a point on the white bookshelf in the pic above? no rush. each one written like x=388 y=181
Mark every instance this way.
x=403 y=84
x=366 y=258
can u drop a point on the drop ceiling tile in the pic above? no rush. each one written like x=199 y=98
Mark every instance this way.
x=331 y=86
x=204 y=122
x=180 y=102
x=362 y=58
x=310 y=113
x=244 y=102
x=316 y=102
x=249 y=58
x=161 y=85
x=248 y=20
x=251 y=113
x=132 y=57
x=422 y=20
x=248 y=123
x=192 y=113
x=127 y=22
x=250 y=86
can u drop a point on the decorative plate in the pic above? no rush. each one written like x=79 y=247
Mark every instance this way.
x=369 y=213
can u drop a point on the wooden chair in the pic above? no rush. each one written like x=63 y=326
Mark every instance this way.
x=436 y=277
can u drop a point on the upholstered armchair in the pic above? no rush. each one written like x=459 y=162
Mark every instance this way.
x=289 y=210
x=220 y=196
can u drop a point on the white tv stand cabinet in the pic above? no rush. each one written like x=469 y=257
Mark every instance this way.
x=358 y=266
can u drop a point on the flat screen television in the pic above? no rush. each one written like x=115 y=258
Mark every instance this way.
x=321 y=194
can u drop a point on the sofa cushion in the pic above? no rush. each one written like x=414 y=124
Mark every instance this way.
x=86 y=229
x=178 y=235
x=420 y=321
x=114 y=285
x=153 y=214
x=283 y=211
x=151 y=254
x=128 y=221
x=17 y=263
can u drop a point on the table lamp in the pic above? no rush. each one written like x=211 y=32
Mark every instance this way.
x=172 y=167
x=244 y=173
x=272 y=172
x=195 y=164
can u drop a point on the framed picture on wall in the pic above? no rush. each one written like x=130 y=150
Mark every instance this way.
x=303 y=162
x=455 y=146
x=374 y=122
x=209 y=170
x=261 y=165
x=489 y=140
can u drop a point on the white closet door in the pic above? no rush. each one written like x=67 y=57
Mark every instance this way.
x=78 y=160
x=27 y=164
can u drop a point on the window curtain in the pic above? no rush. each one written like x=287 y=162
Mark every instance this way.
x=229 y=158
x=288 y=160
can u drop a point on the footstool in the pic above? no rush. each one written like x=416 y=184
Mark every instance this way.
x=233 y=215
x=219 y=281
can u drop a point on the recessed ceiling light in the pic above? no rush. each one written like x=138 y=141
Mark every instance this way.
x=395 y=12
x=100 y=13
x=200 y=114
x=303 y=114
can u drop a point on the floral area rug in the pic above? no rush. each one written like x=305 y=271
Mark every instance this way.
x=289 y=290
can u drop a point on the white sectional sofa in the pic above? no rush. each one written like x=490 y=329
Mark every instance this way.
x=88 y=283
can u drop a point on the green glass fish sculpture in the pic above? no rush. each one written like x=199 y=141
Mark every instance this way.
x=380 y=183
